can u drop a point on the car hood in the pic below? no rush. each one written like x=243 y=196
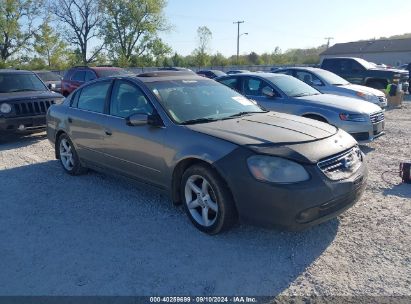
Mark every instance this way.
x=342 y=103
x=267 y=128
x=28 y=95
x=362 y=89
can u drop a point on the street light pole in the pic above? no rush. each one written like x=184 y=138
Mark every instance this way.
x=238 y=39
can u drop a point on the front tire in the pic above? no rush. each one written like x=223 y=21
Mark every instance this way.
x=207 y=200
x=68 y=156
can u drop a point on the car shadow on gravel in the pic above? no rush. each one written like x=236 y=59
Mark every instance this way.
x=15 y=141
x=366 y=149
x=99 y=235
x=401 y=190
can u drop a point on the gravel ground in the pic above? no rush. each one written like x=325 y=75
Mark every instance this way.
x=101 y=235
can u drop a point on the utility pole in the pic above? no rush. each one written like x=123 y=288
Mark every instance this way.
x=328 y=41
x=238 y=39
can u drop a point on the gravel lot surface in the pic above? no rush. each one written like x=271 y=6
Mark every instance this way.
x=101 y=235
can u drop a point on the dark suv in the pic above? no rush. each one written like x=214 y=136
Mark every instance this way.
x=24 y=101
x=79 y=75
x=359 y=71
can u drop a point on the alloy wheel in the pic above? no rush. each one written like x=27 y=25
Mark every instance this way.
x=201 y=200
x=66 y=155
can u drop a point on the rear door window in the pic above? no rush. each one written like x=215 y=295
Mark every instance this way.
x=79 y=76
x=93 y=97
x=231 y=82
x=90 y=75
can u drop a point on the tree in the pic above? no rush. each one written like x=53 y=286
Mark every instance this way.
x=17 y=19
x=82 y=20
x=204 y=38
x=49 y=45
x=131 y=27
x=218 y=60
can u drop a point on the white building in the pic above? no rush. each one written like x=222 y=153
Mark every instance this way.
x=393 y=52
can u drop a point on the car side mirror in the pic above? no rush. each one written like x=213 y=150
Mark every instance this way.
x=269 y=92
x=52 y=86
x=139 y=119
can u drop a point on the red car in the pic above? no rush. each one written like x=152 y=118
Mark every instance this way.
x=77 y=76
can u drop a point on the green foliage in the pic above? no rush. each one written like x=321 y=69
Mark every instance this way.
x=16 y=25
x=201 y=52
x=49 y=46
x=131 y=28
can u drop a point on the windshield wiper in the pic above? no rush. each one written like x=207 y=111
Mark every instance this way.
x=244 y=113
x=301 y=95
x=198 y=120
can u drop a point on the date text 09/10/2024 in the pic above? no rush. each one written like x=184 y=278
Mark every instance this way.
x=203 y=299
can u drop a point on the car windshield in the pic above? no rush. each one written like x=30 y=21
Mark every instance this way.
x=15 y=82
x=331 y=78
x=292 y=87
x=199 y=101
x=112 y=72
x=49 y=76
x=366 y=64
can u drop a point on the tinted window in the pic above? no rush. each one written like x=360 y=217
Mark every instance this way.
x=254 y=86
x=128 y=99
x=90 y=76
x=93 y=97
x=14 y=82
x=78 y=76
x=332 y=65
x=112 y=72
x=307 y=77
x=230 y=82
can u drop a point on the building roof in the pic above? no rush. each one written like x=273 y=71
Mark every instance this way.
x=370 y=46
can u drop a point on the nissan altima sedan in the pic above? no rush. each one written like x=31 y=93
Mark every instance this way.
x=283 y=93
x=213 y=150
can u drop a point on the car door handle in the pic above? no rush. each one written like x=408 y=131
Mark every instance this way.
x=108 y=133
x=70 y=120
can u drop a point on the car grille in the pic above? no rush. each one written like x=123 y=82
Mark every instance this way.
x=32 y=107
x=377 y=117
x=343 y=165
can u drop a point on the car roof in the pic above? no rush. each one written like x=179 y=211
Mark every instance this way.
x=11 y=71
x=170 y=78
x=265 y=74
x=299 y=68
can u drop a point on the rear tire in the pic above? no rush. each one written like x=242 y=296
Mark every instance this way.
x=207 y=200
x=68 y=156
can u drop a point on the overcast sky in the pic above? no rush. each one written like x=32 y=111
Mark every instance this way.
x=287 y=24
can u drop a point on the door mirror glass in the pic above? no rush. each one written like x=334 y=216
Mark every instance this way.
x=269 y=92
x=137 y=120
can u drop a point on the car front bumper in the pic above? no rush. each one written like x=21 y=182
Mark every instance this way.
x=22 y=124
x=290 y=206
x=364 y=132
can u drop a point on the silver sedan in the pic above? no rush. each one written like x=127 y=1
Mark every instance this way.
x=329 y=83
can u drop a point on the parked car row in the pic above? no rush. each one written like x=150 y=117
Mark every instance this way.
x=265 y=148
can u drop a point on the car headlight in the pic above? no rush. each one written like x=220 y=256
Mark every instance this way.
x=5 y=108
x=276 y=170
x=367 y=97
x=352 y=117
